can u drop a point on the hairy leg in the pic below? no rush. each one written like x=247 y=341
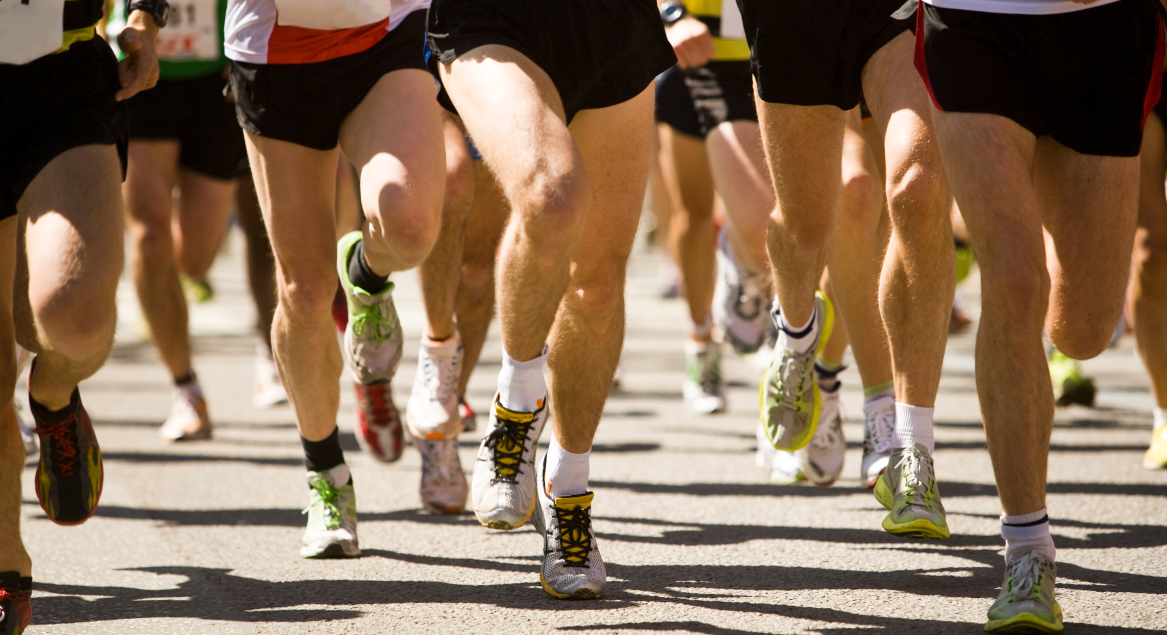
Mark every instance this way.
x=13 y=556
x=688 y=184
x=474 y=306
x=1149 y=287
x=261 y=263
x=739 y=169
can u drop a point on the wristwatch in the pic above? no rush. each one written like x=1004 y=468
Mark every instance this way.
x=672 y=11
x=158 y=9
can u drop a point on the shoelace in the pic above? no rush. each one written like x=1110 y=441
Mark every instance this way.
x=508 y=440
x=883 y=429
x=329 y=496
x=791 y=397
x=574 y=535
x=438 y=377
x=64 y=448
x=917 y=474
x=370 y=317
x=1025 y=575
x=375 y=398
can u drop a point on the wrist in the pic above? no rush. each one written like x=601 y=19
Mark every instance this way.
x=141 y=20
x=671 y=11
x=158 y=10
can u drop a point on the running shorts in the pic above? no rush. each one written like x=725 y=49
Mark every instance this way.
x=697 y=100
x=599 y=53
x=54 y=104
x=195 y=113
x=306 y=103
x=812 y=52
x=1088 y=79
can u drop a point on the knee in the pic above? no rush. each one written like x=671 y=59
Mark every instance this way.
x=306 y=295
x=917 y=200
x=1082 y=339
x=599 y=299
x=153 y=241
x=77 y=320
x=555 y=206
x=477 y=280
x=406 y=224
x=1019 y=291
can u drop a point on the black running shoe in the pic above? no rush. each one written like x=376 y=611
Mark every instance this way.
x=69 y=476
x=15 y=607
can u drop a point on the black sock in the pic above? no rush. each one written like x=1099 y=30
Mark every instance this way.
x=188 y=378
x=14 y=581
x=323 y=455
x=360 y=273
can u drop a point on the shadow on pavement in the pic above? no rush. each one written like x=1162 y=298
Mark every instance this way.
x=949 y=489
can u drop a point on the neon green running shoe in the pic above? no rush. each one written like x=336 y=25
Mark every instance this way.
x=332 y=516
x=372 y=340
x=907 y=488
x=1026 y=603
x=791 y=402
x=1070 y=385
x=1156 y=456
x=200 y=291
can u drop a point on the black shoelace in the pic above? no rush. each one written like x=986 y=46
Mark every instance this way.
x=508 y=440
x=575 y=536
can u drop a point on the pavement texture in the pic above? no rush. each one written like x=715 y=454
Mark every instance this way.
x=204 y=537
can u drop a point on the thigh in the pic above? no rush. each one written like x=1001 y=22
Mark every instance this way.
x=686 y=173
x=743 y=180
x=151 y=174
x=804 y=149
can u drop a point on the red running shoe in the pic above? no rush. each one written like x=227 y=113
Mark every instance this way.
x=70 y=475
x=15 y=607
x=340 y=309
x=469 y=417
x=378 y=422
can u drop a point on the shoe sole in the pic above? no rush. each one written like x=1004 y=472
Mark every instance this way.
x=1026 y=623
x=331 y=552
x=816 y=413
x=503 y=525
x=1081 y=394
x=582 y=594
x=919 y=528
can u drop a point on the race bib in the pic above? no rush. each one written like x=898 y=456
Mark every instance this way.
x=192 y=33
x=30 y=29
x=329 y=14
x=731 y=21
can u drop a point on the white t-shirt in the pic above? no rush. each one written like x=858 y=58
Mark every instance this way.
x=1019 y=7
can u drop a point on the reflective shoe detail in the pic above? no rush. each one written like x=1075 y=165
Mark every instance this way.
x=27 y=434
x=70 y=475
x=740 y=302
x=378 y=422
x=1156 y=456
x=15 y=602
x=332 y=516
x=791 y=401
x=908 y=490
x=1070 y=385
x=821 y=461
x=572 y=566
x=432 y=411
x=188 y=420
x=469 y=417
x=783 y=468
x=372 y=337
x=878 y=439
x=443 y=484
x=1026 y=603
x=269 y=389
x=703 y=389
x=504 y=474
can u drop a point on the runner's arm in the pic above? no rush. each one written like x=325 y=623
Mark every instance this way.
x=139 y=70
x=691 y=41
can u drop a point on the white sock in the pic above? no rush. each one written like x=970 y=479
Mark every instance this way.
x=1160 y=415
x=567 y=473
x=701 y=332
x=1026 y=533
x=521 y=386
x=914 y=425
x=799 y=344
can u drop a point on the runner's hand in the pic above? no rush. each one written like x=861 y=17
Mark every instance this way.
x=139 y=70
x=691 y=42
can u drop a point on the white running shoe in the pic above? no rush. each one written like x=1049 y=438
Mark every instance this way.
x=504 y=474
x=432 y=412
x=703 y=389
x=372 y=338
x=269 y=389
x=878 y=439
x=741 y=305
x=188 y=420
x=27 y=435
x=572 y=566
x=821 y=461
x=784 y=468
x=332 y=516
x=443 y=484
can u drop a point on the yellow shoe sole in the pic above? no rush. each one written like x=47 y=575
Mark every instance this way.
x=582 y=594
x=1026 y=623
x=914 y=529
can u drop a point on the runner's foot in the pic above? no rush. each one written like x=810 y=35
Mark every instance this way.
x=821 y=461
x=332 y=516
x=572 y=566
x=878 y=438
x=70 y=473
x=188 y=420
x=703 y=388
x=504 y=474
x=372 y=336
x=379 y=429
x=1026 y=603
x=15 y=604
x=1070 y=385
x=269 y=389
x=740 y=302
x=1156 y=456
x=443 y=484
x=432 y=412
x=908 y=490
x=791 y=400
x=783 y=467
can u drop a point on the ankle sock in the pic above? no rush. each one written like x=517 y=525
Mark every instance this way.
x=521 y=386
x=361 y=275
x=1025 y=533
x=567 y=473
x=914 y=425
x=185 y=380
x=323 y=455
x=796 y=338
x=701 y=332
x=827 y=374
x=1160 y=415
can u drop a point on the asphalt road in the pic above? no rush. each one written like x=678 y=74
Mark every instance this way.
x=203 y=538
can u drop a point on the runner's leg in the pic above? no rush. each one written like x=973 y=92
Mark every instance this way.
x=204 y=207
x=474 y=306
x=1149 y=286
x=261 y=264
x=688 y=184
x=13 y=556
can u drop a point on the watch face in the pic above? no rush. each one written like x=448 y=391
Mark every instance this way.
x=672 y=12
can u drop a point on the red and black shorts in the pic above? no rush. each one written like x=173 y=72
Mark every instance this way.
x=1088 y=79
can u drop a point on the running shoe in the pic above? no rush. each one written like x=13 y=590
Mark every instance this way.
x=703 y=389
x=15 y=602
x=70 y=475
x=1026 y=603
x=572 y=566
x=791 y=400
x=469 y=417
x=332 y=516
x=879 y=430
x=740 y=302
x=372 y=336
x=27 y=434
x=783 y=468
x=908 y=490
x=821 y=461
x=443 y=484
x=504 y=475
x=1156 y=456
x=1071 y=386
x=432 y=411
x=199 y=291
x=269 y=389
x=188 y=420
x=378 y=422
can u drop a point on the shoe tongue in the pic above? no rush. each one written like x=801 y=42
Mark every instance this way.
x=510 y=415
x=583 y=501
x=337 y=476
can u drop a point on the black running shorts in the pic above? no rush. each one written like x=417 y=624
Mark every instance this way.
x=697 y=100
x=812 y=52
x=195 y=113
x=306 y=103
x=52 y=105
x=599 y=53
x=1088 y=79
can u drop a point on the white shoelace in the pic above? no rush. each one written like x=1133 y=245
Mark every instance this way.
x=438 y=377
x=883 y=429
x=1025 y=572
x=917 y=470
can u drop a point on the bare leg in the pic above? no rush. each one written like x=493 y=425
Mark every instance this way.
x=261 y=263
x=204 y=206
x=743 y=182
x=688 y=184
x=1149 y=286
x=474 y=306
x=13 y=556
